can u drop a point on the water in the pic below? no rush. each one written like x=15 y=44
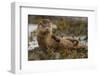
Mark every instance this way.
x=31 y=28
x=33 y=43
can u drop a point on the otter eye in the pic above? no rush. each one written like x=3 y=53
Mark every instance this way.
x=46 y=25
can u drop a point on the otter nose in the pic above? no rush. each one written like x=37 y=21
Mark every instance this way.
x=47 y=28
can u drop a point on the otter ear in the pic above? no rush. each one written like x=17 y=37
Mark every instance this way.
x=40 y=23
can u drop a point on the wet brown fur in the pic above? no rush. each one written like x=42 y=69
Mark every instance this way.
x=46 y=39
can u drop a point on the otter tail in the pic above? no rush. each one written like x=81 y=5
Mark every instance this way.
x=75 y=42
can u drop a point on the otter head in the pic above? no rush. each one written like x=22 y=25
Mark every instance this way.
x=45 y=27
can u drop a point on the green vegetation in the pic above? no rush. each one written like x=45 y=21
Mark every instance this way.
x=66 y=25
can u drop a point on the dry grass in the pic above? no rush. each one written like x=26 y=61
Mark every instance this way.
x=52 y=54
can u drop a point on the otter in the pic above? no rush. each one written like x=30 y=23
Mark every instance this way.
x=44 y=32
x=46 y=39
